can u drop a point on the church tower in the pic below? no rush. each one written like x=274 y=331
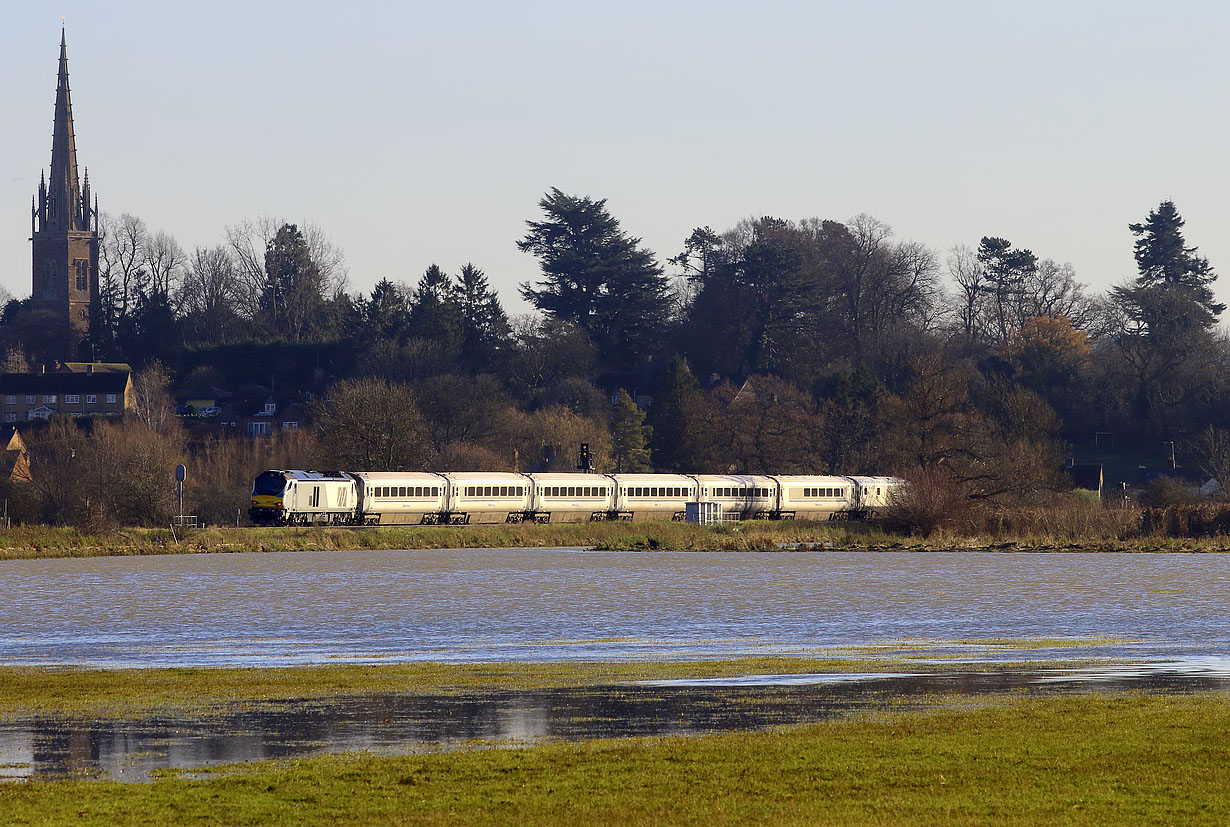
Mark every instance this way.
x=64 y=232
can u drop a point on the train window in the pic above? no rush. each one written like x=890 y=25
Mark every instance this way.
x=487 y=491
x=587 y=491
x=401 y=491
x=435 y=491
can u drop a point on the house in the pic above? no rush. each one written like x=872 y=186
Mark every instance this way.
x=200 y=398
x=27 y=396
x=15 y=461
x=1087 y=476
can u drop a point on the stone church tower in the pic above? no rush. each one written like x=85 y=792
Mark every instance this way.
x=64 y=232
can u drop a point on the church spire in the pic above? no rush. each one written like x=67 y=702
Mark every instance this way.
x=64 y=192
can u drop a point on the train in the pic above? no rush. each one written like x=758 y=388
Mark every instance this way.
x=370 y=498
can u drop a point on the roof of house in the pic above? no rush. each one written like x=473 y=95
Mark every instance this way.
x=37 y=383
x=93 y=367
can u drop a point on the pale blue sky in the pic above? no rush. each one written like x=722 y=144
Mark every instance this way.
x=414 y=133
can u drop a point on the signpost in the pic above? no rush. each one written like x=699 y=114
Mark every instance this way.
x=181 y=474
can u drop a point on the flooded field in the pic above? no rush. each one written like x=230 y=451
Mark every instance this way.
x=130 y=750
x=539 y=605
x=1146 y=622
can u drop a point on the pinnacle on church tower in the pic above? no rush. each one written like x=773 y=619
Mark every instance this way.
x=65 y=275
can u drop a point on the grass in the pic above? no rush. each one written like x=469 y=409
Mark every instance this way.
x=1035 y=534
x=27 y=691
x=1073 y=760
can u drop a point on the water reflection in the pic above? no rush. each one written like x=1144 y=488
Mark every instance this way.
x=402 y=724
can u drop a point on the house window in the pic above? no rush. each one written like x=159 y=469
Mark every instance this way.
x=91 y=399
x=258 y=429
x=290 y=426
x=39 y=413
x=10 y=399
x=72 y=399
x=49 y=398
x=271 y=408
x=110 y=399
x=29 y=399
x=10 y=417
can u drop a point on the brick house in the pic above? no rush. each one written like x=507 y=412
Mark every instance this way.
x=26 y=396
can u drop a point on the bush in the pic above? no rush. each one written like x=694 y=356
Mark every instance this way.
x=929 y=500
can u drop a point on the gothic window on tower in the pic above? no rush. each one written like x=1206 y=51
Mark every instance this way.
x=83 y=273
x=49 y=275
x=82 y=314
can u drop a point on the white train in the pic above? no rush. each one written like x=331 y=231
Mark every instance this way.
x=451 y=498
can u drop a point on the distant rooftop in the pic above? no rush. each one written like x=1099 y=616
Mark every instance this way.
x=93 y=367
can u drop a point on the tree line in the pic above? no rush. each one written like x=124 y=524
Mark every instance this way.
x=777 y=345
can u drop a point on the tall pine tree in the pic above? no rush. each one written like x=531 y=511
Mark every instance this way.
x=597 y=276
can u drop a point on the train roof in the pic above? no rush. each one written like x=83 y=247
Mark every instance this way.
x=653 y=479
x=315 y=476
x=576 y=477
x=817 y=479
x=394 y=476
x=483 y=476
x=735 y=479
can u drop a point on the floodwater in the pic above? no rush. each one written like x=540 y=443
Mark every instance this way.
x=544 y=605
x=131 y=750
x=1138 y=621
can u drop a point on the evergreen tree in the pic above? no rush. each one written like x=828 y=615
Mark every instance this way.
x=435 y=315
x=485 y=330
x=629 y=436
x=386 y=313
x=1166 y=317
x=293 y=295
x=1007 y=272
x=1163 y=257
x=677 y=420
x=598 y=277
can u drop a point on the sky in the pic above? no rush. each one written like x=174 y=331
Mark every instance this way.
x=417 y=133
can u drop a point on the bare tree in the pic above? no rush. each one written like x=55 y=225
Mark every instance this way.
x=371 y=425
x=211 y=292
x=122 y=259
x=250 y=239
x=165 y=262
x=154 y=407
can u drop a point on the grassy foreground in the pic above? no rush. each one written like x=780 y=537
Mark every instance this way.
x=45 y=541
x=28 y=691
x=1074 y=760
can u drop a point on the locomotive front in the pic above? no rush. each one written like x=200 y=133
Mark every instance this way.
x=268 y=505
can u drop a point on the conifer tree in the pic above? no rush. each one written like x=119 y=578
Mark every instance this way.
x=485 y=330
x=629 y=436
x=597 y=276
x=1164 y=258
